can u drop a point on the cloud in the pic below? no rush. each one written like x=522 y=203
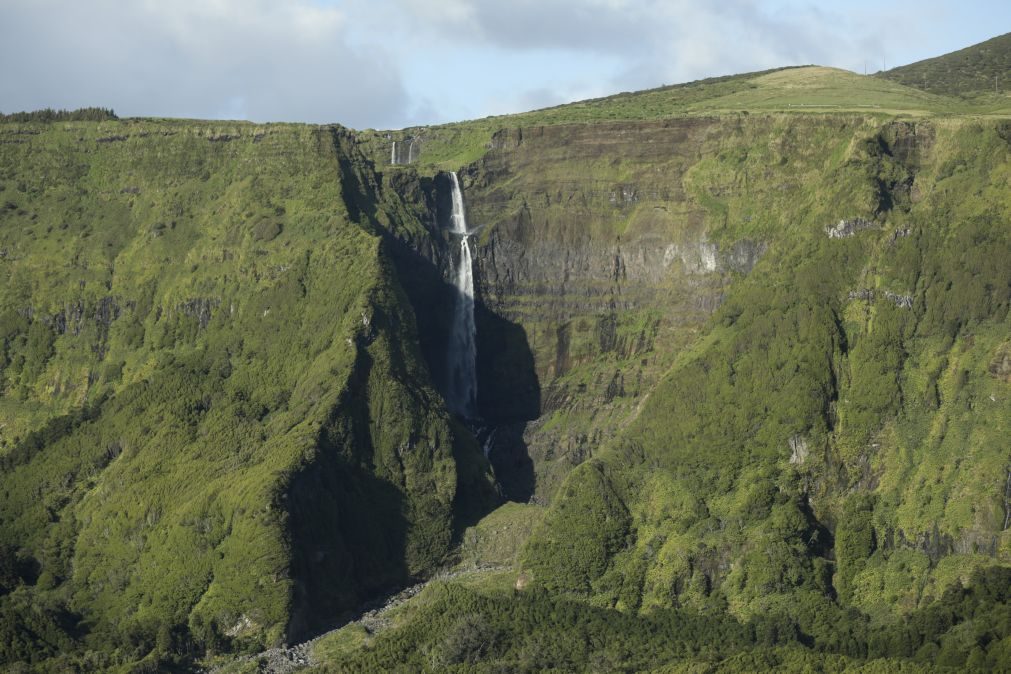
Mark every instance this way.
x=660 y=41
x=596 y=25
x=391 y=63
x=258 y=59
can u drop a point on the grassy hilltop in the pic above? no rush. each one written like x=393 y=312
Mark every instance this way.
x=806 y=90
x=744 y=342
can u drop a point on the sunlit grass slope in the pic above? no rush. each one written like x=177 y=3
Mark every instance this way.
x=817 y=88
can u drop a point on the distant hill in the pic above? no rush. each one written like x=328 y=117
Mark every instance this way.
x=964 y=72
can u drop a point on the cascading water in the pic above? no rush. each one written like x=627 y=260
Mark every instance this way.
x=396 y=156
x=462 y=359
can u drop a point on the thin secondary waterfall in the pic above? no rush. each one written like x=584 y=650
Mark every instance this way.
x=396 y=157
x=462 y=386
x=489 y=443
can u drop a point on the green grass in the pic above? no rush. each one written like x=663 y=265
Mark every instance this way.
x=497 y=539
x=817 y=89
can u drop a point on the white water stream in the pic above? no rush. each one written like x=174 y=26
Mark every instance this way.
x=462 y=358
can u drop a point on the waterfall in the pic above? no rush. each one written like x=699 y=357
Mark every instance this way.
x=393 y=154
x=410 y=151
x=462 y=359
x=489 y=443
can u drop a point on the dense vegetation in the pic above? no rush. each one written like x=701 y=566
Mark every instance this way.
x=460 y=629
x=821 y=438
x=209 y=385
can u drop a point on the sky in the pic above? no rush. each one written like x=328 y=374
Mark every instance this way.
x=390 y=64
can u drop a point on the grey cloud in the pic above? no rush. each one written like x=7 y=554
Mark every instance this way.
x=229 y=58
x=344 y=60
x=661 y=41
x=594 y=25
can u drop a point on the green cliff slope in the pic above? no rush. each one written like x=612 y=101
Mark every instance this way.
x=774 y=347
x=259 y=448
x=841 y=427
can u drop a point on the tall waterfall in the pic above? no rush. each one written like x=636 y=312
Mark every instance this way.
x=393 y=154
x=462 y=386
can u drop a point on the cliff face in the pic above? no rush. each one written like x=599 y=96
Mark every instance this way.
x=595 y=246
x=740 y=325
x=812 y=416
x=260 y=447
x=752 y=362
x=603 y=249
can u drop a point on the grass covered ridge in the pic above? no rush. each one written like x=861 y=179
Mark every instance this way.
x=803 y=89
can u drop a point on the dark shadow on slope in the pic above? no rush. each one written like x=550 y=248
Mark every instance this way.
x=348 y=543
x=348 y=528
x=820 y=545
x=476 y=493
x=416 y=252
x=510 y=458
x=509 y=393
x=509 y=396
x=508 y=387
x=432 y=297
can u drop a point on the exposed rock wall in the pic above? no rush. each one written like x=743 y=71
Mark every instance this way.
x=593 y=246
